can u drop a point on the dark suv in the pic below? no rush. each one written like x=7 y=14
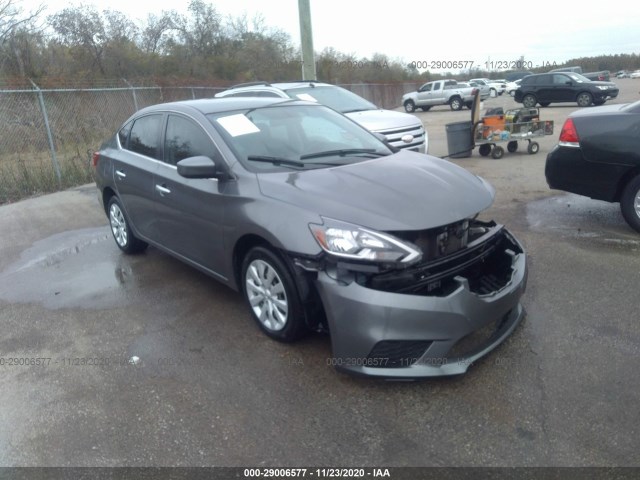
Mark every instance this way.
x=547 y=88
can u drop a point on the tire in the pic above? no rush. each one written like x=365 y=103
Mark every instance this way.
x=469 y=105
x=529 y=101
x=533 y=148
x=597 y=103
x=545 y=104
x=426 y=109
x=630 y=203
x=455 y=103
x=584 y=99
x=512 y=146
x=121 y=229
x=497 y=152
x=512 y=93
x=409 y=106
x=485 y=149
x=270 y=291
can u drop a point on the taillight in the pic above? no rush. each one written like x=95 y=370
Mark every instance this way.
x=569 y=134
x=95 y=157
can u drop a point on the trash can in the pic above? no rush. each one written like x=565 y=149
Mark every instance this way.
x=459 y=139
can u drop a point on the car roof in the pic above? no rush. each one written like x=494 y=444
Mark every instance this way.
x=224 y=104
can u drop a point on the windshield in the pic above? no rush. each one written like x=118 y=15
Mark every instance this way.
x=337 y=98
x=578 y=78
x=286 y=136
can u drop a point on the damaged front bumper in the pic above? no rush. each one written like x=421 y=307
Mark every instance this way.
x=433 y=319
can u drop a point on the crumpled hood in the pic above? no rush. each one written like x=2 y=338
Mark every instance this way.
x=384 y=120
x=404 y=191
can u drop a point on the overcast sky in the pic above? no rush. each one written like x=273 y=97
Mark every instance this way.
x=411 y=30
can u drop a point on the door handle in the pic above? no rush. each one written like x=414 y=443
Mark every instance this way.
x=162 y=190
x=121 y=174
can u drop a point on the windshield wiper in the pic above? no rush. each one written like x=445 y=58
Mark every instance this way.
x=354 y=110
x=276 y=160
x=343 y=152
x=284 y=161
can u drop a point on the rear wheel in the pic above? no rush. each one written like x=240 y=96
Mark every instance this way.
x=584 y=99
x=630 y=203
x=271 y=293
x=409 y=106
x=529 y=101
x=121 y=230
x=455 y=103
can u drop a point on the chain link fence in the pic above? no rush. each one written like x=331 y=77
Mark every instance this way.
x=47 y=136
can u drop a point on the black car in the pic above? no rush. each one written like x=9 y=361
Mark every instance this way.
x=599 y=157
x=547 y=88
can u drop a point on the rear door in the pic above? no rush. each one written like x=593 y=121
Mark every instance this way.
x=544 y=88
x=190 y=211
x=134 y=167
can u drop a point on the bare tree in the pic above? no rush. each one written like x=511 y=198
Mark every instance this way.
x=159 y=32
x=11 y=17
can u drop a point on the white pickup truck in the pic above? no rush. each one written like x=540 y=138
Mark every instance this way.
x=440 y=92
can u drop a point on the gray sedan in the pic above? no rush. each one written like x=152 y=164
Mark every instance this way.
x=322 y=226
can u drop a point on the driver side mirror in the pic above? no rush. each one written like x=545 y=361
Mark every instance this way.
x=201 y=167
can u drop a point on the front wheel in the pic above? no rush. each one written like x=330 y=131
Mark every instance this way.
x=409 y=106
x=630 y=203
x=584 y=99
x=121 y=230
x=529 y=101
x=455 y=103
x=271 y=293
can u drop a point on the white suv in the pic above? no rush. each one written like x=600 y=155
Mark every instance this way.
x=401 y=129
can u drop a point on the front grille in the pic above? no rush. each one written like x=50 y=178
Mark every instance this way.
x=395 y=136
x=397 y=353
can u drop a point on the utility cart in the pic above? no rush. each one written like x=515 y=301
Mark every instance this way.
x=516 y=125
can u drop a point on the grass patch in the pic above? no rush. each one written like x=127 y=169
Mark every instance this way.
x=25 y=175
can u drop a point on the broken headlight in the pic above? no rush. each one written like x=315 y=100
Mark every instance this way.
x=353 y=242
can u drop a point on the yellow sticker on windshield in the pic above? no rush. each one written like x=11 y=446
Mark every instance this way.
x=238 y=125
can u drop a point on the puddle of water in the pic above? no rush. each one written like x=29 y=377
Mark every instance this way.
x=581 y=217
x=72 y=269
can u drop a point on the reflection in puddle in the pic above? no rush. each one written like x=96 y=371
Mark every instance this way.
x=72 y=269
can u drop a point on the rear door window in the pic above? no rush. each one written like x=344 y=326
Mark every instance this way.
x=145 y=136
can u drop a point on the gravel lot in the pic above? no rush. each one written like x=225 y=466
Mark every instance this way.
x=207 y=388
